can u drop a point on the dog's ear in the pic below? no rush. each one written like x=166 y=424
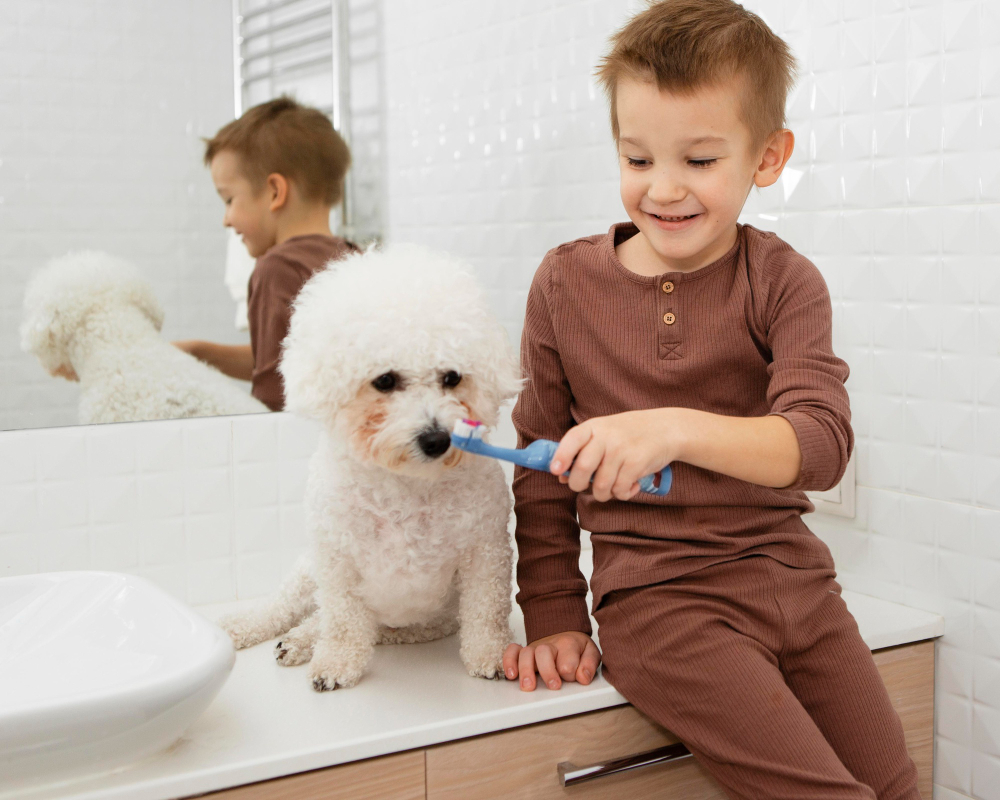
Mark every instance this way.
x=43 y=335
x=313 y=365
x=140 y=294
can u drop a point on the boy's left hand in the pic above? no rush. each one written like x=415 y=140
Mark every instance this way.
x=616 y=451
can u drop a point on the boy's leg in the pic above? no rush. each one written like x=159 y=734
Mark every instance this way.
x=830 y=670
x=697 y=655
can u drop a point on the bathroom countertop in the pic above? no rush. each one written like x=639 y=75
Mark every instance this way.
x=268 y=722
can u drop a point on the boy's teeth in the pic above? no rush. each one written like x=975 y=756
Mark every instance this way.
x=673 y=219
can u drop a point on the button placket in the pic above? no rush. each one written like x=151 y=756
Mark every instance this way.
x=668 y=325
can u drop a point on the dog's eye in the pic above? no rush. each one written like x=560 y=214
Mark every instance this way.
x=451 y=379
x=386 y=382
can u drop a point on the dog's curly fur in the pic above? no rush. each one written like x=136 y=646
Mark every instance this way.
x=409 y=535
x=94 y=313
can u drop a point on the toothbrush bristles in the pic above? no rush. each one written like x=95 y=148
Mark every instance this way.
x=469 y=429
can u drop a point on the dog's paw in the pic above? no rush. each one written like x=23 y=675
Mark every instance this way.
x=489 y=666
x=333 y=668
x=326 y=680
x=296 y=646
x=289 y=653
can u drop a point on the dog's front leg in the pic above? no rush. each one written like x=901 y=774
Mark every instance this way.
x=484 y=607
x=347 y=632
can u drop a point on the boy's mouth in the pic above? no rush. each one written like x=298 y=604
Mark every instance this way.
x=672 y=219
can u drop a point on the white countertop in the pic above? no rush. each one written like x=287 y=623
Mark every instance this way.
x=268 y=722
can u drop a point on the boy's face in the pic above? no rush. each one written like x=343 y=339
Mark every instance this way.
x=686 y=170
x=247 y=209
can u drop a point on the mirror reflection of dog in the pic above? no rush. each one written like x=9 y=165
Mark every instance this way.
x=91 y=317
x=409 y=540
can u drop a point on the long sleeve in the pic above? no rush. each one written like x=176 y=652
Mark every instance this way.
x=806 y=384
x=552 y=589
x=273 y=286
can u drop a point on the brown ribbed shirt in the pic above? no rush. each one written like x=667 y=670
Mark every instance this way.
x=748 y=335
x=276 y=279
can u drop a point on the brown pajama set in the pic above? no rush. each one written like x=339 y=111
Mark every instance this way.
x=718 y=610
x=276 y=280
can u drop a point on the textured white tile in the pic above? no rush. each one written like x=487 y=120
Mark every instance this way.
x=985 y=777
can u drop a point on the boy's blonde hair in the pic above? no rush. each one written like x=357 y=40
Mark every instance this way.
x=291 y=139
x=685 y=45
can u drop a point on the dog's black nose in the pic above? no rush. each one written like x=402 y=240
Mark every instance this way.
x=434 y=442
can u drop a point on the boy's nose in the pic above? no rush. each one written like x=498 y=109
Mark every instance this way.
x=665 y=188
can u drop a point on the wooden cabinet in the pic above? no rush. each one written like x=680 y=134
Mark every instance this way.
x=522 y=763
x=396 y=777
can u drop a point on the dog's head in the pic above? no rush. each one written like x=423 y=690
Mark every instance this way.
x=389 y=348
x=62 y=296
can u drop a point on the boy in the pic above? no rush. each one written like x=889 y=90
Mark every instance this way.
x=684 y=337
x=280 y=170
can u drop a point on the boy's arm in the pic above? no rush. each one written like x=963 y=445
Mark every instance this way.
x=552 y=589
x=234 y=360
x=802 y=444
x=274 y=284
x=806 y=386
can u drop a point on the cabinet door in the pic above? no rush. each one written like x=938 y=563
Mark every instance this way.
x=908 y=674
x=395 y=777
x=521 y=764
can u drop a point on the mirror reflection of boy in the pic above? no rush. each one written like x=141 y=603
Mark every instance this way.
x=280 y=170
x=685 y=337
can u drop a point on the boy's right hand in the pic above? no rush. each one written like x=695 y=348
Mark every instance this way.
x=569 y=656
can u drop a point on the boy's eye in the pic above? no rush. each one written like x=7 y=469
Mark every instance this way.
x=636 y=162
x=702 y=162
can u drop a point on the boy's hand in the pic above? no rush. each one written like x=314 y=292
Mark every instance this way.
x=190 y=346
x=616 y=451
x=569 y=656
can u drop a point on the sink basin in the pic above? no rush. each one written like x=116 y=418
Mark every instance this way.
x=98 y=669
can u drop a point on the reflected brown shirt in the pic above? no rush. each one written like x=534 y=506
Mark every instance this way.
x=276 y=280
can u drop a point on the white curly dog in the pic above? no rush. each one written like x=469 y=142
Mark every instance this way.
x=409 y=543
x=92 y=317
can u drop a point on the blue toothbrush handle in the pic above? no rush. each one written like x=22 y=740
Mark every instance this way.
x=648 y=484
x=538 y=455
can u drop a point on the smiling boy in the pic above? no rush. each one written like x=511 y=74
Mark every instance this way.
x=684 y=337
x=280 y=170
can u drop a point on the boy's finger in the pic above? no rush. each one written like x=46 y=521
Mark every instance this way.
x=622 y=489
x=570 y=444
x=589 y=663
x=545 y=663
x=607 y=477
x=587 y=462
x=568 y=659
x=526 y=668
x=510 y=660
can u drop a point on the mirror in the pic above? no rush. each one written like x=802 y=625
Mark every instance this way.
x=102 y=152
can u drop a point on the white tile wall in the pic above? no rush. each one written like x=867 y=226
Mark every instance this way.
x=209 y=509
x=499 y=148
x=103 y=104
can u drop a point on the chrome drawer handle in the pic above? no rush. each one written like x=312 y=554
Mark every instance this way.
x=570 y=774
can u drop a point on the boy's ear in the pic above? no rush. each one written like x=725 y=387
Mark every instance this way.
x=277 y=188
x=776 y=154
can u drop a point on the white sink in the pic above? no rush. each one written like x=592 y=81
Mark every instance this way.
x=98 y=669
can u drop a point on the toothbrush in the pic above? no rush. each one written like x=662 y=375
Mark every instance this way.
x=468 y=436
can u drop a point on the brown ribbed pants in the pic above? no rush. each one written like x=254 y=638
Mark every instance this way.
x=759 y=669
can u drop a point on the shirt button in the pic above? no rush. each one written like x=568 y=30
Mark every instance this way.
x=669 y=318
x=667 y=287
